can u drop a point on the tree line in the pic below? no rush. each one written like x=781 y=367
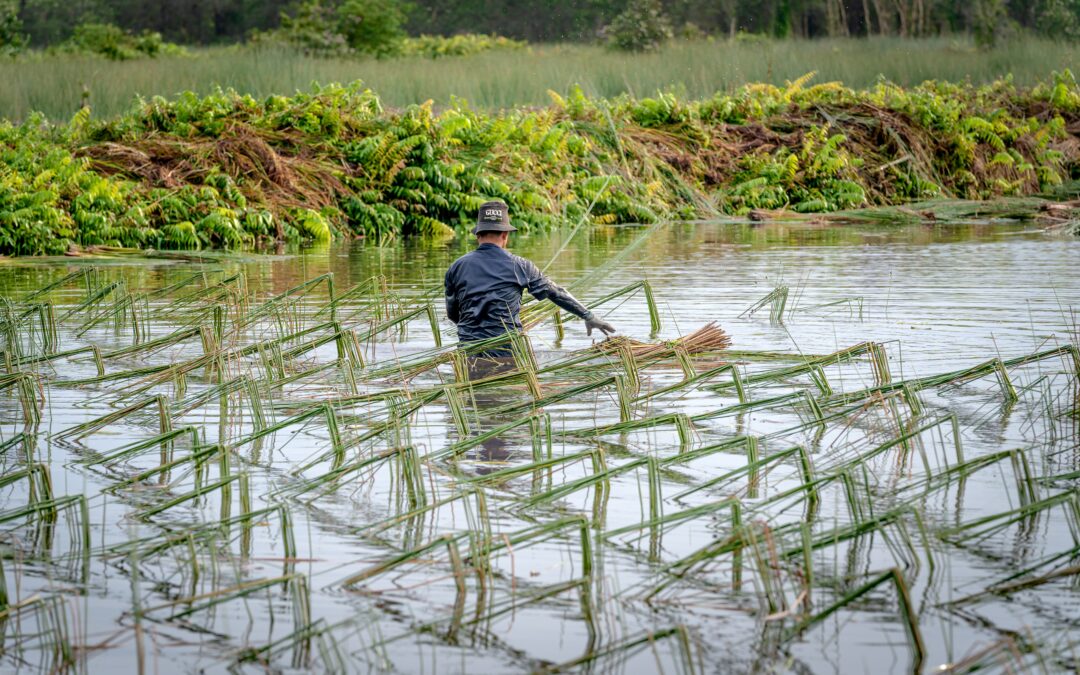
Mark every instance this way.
x=45 y=22
x=559 y=20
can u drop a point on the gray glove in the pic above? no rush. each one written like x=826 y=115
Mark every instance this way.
x=595 y=322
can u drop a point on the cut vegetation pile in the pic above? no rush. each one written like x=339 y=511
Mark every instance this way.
x=200 y=473
x=231 y=171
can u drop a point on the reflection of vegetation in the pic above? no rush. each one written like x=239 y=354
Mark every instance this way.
x=227 y=170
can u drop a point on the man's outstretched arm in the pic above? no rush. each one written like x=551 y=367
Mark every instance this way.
x=542 y=287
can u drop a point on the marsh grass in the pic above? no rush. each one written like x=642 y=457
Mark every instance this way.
x=55 y=85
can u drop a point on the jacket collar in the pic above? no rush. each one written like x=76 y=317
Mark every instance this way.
x=487 y=246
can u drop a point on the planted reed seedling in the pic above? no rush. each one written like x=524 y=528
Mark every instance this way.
x=87 y=428
x=775 y=300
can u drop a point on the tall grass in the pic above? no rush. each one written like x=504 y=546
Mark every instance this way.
x=57 y=86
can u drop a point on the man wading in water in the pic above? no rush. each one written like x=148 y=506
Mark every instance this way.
x=483 y=289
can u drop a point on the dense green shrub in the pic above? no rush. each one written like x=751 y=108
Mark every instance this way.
x=311 y=28
x=371 y=26
x=114 y=43
x=12 y=38
x=352 y=27
x=641 y=27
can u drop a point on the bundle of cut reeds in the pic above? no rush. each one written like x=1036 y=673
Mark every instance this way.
x=708 y=338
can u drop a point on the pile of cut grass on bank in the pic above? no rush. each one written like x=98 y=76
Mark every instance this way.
x=231 y=171
x=182 y=458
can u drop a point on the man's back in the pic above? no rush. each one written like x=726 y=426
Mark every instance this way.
x=483 y=291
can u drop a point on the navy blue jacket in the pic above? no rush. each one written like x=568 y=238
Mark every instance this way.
x=483 y=292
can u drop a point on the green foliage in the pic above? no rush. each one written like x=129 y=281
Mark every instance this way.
x=690 y=31
x=114 y=43
x=641 y=27
x=311 y=28
x=51 y=199
x=1060 y=19
x=353 y=27
x=781 y=27
x=371 y=26
x=317 y=26
x=819 y=175
x=12 y=38
x=231 y=171
x=312 y=225
x=1064 y=95
x=990 y=21
x=436 y=46
x=577 y=21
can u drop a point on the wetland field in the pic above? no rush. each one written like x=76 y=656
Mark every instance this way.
x=814 y=447
x=59 y=85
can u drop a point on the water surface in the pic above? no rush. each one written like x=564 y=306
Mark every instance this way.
x=938 y=298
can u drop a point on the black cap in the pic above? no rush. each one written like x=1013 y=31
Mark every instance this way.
x=493 y=217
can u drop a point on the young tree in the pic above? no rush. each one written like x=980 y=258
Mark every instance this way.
x=989 y=20
x=642 y=26
x=371 y=26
